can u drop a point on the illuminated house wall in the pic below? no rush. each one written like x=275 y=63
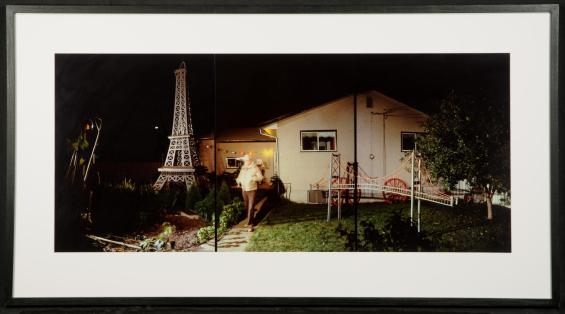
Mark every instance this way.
x=301 y=168
x=235 y=143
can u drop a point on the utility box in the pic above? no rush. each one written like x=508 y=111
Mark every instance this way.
x=317 y=196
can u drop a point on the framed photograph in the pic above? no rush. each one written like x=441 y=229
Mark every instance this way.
x=228 y=155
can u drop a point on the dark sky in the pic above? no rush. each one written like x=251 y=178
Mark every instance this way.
x=135 y=93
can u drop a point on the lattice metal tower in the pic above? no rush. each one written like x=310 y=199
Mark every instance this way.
x=182 y=156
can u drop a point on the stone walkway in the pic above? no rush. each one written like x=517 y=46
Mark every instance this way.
x=235 y=240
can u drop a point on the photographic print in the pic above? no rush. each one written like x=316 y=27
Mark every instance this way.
x=389 y=149
x=283 y=153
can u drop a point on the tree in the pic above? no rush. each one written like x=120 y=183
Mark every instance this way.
x=469 y=139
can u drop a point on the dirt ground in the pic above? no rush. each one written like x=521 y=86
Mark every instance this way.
x=183 y=238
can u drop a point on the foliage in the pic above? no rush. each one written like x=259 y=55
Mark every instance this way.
x=78 y=147
x=227 y=177
x=230 y=215
x=206 y=207
x=123 y=207
x=505 y=199
x=159 y=242
x=397 y=235
x=71 y=200
x=126 y=184
x=205 y=233
x=224 y=195
x=278 y=188
x=194 y=195
x=79 y=143
x=303 y=227
x=468 y=139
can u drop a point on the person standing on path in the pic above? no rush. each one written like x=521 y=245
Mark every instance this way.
x=248 y=177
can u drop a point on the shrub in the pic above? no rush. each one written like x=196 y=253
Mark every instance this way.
x=194 y=195
x=205 y=208
x=227 y=177
x=126 y=184
x=123 y=207
x=205 y=233
x=397 y=235
x=230 y=215
x=224 y=195
x=278 y=188
x=159 y=242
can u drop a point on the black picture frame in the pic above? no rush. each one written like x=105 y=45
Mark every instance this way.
x=383 y=305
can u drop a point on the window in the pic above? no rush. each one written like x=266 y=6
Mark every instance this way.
x=318 y=141
x=408 y=141
x=233 y=163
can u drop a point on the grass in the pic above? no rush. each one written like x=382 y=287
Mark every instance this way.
x=303 y=227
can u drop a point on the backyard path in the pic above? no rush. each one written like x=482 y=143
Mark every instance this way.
x=235 y=240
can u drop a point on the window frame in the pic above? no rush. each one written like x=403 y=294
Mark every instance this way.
x=236 y=162
x=318 y=137
x=416 y=134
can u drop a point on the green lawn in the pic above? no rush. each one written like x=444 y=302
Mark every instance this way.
x=303 y=227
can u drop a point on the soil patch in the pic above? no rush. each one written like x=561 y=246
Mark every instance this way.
x=182 y=239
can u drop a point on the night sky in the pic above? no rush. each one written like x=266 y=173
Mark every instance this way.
x=135 y=93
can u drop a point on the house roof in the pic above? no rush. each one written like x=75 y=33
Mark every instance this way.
x=239 y=135
x=288 y=115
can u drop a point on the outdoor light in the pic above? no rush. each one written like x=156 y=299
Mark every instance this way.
x=156 y=127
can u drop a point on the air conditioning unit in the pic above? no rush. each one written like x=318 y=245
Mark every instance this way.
x=317 y=197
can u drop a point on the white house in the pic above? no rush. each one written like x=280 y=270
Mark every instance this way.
x=386 y=129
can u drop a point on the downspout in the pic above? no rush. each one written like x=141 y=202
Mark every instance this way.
x=384 y=144
x=383 y=153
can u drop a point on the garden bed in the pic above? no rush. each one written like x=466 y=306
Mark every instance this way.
x=183 y=238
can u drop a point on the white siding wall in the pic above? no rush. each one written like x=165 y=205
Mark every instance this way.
x=301 y=169
x=370 y=135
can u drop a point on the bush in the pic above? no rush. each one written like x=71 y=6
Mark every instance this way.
x=397 y=235
x=71 y=202
x=123 y=207
x=227 y=177
x=224 y=195
x=126 y=184
x=206 y=207
x=278 y=188
x=194 y=195
x=205 y=233
x=230 y=215
x=159 y=242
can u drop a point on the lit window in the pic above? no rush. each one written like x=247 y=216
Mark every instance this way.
x=318 y=141
x=233 y=163
x=408 y=141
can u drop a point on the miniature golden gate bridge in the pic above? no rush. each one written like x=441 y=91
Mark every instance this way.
x=343 y=188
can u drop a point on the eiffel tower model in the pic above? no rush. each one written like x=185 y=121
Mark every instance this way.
x=182 y=156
